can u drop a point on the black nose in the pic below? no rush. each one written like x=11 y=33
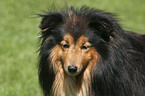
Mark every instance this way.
x=72 y=69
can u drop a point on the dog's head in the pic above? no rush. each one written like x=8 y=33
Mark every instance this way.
x=76 y=39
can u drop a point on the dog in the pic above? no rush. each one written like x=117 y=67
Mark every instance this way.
x=85 y=52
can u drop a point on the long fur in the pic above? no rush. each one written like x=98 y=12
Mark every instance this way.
x=116 y=60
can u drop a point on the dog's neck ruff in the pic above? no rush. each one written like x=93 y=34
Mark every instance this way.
x=71 y=86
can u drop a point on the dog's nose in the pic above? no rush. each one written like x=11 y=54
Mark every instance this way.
x=72 y=69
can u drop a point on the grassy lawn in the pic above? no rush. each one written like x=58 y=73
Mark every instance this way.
x=19 y=42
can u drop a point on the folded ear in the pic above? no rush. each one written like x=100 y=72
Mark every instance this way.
x=50 y=20
x=103 y=26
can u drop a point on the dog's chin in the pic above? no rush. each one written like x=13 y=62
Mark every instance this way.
x=72 y=74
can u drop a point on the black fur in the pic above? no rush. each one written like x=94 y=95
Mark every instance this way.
x=121 y=70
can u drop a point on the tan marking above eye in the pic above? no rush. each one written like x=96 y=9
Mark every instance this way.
x=83 y=43
x=86 y=46
x=67 y=42
x=64 y=44
x=68 y=39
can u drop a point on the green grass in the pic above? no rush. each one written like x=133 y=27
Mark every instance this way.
x=18 y=42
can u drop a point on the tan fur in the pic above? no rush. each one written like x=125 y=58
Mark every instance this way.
x=80 y=84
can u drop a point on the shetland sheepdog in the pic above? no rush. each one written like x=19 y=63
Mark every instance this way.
x=85 y=52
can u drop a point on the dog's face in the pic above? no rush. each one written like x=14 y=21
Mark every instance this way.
x=77 y=42
x=75 y=56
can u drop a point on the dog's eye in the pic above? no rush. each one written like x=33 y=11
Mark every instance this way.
x=84 y=47
x=65 y=46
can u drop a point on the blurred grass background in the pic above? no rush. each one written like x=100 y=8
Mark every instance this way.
x=19 y=42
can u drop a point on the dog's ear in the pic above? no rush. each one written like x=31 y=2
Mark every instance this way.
x=103 y=26
x=50 y=20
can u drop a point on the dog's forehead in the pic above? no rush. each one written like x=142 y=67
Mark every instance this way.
x=70 y=39
x=75 y=26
